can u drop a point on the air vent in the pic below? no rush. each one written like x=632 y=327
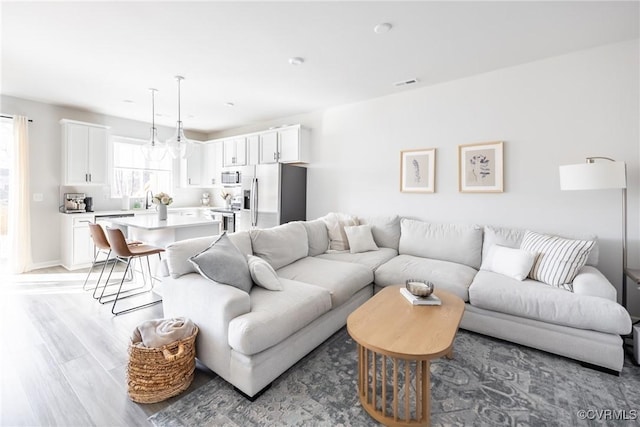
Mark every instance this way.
x=405 y=82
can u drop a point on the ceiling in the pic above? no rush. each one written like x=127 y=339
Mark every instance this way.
x=103 y=57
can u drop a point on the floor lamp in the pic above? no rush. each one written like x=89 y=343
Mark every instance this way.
x=599 y=175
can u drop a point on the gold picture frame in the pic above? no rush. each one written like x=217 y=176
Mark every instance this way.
x=481 y=167
x=418 y=171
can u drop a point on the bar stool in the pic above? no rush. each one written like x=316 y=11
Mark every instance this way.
x=102 y=248
x=120 y=247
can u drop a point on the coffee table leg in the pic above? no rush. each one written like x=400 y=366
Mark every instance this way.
x=426 y=392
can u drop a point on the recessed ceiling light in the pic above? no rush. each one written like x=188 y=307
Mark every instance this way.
x=406 y=82
x=296 y=60
x=229 y=104
x=382 y=28
x=128 y=101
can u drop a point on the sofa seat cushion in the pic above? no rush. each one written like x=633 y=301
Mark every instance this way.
x=450 y=276
x=276 y=315
x=341 y=279
x=371 y=259
x=535 y=300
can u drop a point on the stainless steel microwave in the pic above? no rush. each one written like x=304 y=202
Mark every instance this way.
x=232 y=177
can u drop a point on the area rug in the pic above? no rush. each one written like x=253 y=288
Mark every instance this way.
x=489 y=382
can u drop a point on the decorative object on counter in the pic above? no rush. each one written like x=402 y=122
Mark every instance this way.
x=227 y=199
x=154 y=150
x=418 y=171
x=419 y=288
x=206 y=200
x=162 y=200
x=480 y=168
x=179 y=146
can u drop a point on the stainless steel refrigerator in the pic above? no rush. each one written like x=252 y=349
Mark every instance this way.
x=272 y=194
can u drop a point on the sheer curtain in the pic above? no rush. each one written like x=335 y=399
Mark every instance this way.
x=19 y=221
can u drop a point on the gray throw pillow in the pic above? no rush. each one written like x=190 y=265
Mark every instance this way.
x=222 y=262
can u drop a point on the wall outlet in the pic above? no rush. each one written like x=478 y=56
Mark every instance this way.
x=38 y=197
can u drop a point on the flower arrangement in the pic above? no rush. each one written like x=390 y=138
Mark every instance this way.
x=162 y=199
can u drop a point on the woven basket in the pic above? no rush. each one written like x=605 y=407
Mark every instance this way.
x=156 y=374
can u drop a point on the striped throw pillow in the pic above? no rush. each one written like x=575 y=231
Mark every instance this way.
x=559 y=260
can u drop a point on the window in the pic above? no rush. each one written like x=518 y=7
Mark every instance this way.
x=133 y=175
x=6 y=137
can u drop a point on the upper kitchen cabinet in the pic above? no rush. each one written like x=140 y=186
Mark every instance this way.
x=269 y=147
x=293 y=145
x=203 y=167
x=212 y=166
x=235 y=152
x=253 y=150
x=84 y=153
x=191 y=167
x=285 y=145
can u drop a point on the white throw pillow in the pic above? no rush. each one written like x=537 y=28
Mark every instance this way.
x=336 y=222
x=360 y=239
x=514 y=263
x=559 y=259
x=263 y=274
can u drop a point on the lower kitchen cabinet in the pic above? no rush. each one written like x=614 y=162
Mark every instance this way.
x=77 y=249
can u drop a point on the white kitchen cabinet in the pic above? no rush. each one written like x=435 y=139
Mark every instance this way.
x=212 y=166
x=235 y=150
x=285 y=145
x=253 y=150
x=191 y=167
x=77 y=247
x=84 y=153
x=269 y=147
x=293 y=145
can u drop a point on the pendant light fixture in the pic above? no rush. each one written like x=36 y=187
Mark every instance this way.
x=154 y=150
x=179 y=146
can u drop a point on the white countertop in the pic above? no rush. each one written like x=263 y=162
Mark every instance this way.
x=174 y=220
x=141 y=212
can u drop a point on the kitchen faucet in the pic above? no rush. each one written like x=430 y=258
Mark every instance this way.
x=148 y=200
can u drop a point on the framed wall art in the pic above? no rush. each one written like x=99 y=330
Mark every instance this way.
x=480 y=168
x=418 y=171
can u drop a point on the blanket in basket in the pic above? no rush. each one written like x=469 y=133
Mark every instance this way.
x=157 y=333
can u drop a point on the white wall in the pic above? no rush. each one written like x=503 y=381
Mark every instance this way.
x=549 y=113
x=45 y=138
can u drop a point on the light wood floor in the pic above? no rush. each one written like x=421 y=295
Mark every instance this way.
x=63 y=355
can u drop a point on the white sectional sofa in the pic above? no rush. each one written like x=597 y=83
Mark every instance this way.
x=250 y=338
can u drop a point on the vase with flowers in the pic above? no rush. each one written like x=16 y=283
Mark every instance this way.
x=227 y=199
x=162 y=200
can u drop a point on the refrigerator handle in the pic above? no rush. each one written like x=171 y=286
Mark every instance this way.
x=254 y=202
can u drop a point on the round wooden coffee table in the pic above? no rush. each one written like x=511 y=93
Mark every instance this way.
x=396 y=341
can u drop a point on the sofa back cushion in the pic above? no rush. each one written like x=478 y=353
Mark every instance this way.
x=178 y=253
x=318 y=236
x=447 y=242
x=385 y=230
x=512 y=237
x=280 y=245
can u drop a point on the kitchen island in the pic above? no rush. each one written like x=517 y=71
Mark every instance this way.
x=178 y=226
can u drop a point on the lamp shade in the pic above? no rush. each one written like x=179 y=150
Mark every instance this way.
x=593 y=176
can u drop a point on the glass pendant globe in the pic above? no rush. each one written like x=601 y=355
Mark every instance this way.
x=154 y=150
x=178 y=145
